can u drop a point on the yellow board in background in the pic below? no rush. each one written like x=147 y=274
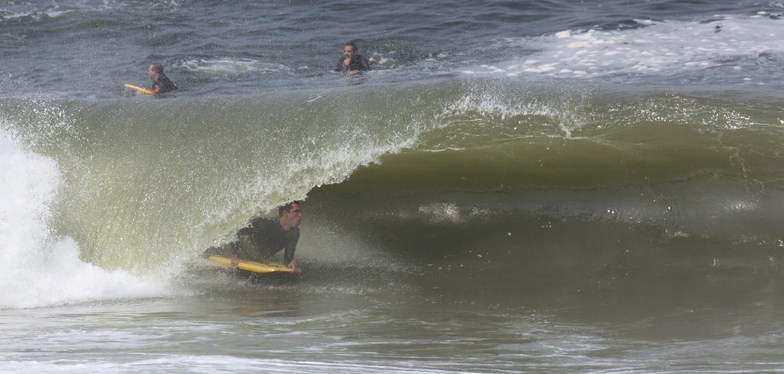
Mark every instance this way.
x=137 y=88
x=258 y=267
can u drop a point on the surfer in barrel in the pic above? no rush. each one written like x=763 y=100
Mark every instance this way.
x=263 y=238
x=161 y=84
x=352 y=62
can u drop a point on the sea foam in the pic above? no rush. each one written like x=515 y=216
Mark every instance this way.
x=41 y=268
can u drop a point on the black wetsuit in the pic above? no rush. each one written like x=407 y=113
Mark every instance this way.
x=358 y=62
x=163 y=85
x=268 y=238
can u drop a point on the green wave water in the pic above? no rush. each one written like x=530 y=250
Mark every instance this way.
x=574 y=186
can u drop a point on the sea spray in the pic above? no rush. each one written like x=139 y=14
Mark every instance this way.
x=40 y=267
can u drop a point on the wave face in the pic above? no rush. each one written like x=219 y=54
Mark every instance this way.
x=542 y=191
x=528 y=194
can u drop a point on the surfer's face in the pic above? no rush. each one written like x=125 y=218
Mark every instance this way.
x=151 y=72
x=293 y=217
x=348 y=52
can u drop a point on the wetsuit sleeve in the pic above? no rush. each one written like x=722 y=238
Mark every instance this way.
x=291 y=246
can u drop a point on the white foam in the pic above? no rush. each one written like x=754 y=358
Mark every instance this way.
x=40 y=268
x=231 y=66
x=20 y=12
x=659 y=48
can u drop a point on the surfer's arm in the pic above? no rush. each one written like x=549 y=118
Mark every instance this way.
x=291 y=246
x=288 y=255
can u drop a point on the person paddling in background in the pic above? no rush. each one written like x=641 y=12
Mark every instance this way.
x=265 y=237
x=161 y=84
x=352 y=62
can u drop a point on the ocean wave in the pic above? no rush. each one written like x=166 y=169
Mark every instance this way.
x=475 y=172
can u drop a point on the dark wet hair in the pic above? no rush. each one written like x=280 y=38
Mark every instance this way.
x=157 y=67
x=287 y=208
x=353 y=46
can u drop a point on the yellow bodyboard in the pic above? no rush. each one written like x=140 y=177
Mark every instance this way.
x=258 y=267
x=137 y=88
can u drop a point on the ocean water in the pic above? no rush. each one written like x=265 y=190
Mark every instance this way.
x=546 y=186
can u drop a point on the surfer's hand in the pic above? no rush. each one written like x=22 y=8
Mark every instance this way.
x=293 y=265
x=235 y=261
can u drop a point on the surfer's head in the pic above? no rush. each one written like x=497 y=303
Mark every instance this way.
x=290 y=215
x=155 y=70
x=350 y=49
